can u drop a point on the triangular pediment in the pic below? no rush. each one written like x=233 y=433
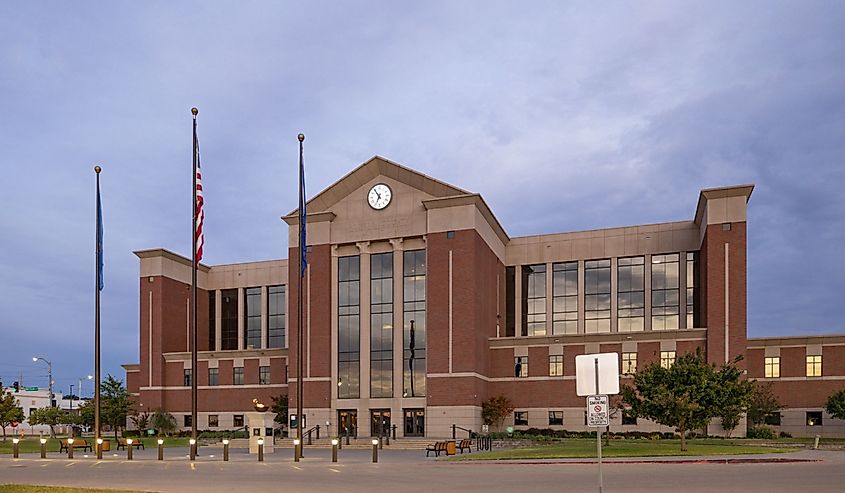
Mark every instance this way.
x=365 y=173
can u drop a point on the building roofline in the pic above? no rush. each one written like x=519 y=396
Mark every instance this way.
x=806 y=339
x=470 y=199
x=719 y=193
x=162 y=252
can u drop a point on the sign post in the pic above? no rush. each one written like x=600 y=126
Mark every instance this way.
x=597 y=376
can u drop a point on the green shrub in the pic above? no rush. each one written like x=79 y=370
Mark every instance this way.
x=784 y=434
x=761 y=432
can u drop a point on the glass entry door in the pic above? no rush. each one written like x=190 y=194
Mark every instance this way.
x=347 y=422
x=380 y=421
x=414 y=422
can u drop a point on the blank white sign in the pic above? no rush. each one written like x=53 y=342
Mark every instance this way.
x=585 y=374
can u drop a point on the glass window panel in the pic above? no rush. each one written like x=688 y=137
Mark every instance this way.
x=414 y=326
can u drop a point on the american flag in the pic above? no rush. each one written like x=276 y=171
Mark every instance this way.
x=200 y=212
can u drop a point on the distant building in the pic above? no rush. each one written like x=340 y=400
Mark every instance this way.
x=419 y=306
x=30 y=400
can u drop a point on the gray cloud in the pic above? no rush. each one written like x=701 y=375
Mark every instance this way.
x=563 y=116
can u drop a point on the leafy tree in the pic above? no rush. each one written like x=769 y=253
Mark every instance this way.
x=495 y=409
x=9 y=412
x=141 y=421
x=52 y=417
x=115 y=403
x=763 y=402
x=163 y=422
x=686 y=395
x=280 y=407
x=733 y=397
x=86 y=413
x=836 y=405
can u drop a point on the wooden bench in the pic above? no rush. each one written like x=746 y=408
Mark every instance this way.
x=435 y=447
x=77 y=443
x=137 y=443
x=466 y=443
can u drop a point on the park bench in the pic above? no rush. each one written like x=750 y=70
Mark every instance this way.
x=138 y=444
x=466 y=443
x=77 y=443
x=435 y=447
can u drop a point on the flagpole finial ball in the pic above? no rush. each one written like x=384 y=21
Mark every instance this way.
x=97 y=169
x=194 y=111
x=301 y=137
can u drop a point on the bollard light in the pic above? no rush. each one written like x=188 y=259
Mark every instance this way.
x=70 y=448
x=99 y=449
x=335 y=443
x=225 y=449
x=296 y=449
x=375 y=450
x=16 y=448
x=129 y=448
x=260 y=450
x=160 y=449
x=193 y=443
x=43 y=448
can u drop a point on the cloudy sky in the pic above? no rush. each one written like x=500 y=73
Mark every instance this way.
x=564 y=115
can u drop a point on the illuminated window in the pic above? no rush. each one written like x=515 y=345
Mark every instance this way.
x=520 y=366
x=814 y=366
x=772 y=367
x=667 y=359
x=629 y=363
x=814 y=418
x=556 y=365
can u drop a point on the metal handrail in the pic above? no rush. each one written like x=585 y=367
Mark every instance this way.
x=456 y=427
x=313 y=428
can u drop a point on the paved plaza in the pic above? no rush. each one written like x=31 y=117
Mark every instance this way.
x=410 y=471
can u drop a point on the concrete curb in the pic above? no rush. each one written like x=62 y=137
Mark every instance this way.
x=656 y=460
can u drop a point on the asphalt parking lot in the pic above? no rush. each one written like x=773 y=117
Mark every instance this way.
x=410 y=471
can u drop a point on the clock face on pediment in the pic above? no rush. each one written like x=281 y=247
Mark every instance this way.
x=379 y=196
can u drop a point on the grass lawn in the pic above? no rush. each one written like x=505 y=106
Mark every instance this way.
x=585 y=448
x=25 y=488
x=32 y=445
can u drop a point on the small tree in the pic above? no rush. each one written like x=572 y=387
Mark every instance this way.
x=9 y=412
x=115 y=403
x=141 y=421
x=686 y=395
x=52 y=417
x=763 y=402
x=495 y=409
x=836 y=405
x=86 y=414
x=163 y=422
x=280 y=407
x=733 y=396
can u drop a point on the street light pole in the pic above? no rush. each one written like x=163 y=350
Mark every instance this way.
x=71 y=397
x=35 y=359
x=79 y=389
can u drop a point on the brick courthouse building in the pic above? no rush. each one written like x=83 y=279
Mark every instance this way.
x=419 y=306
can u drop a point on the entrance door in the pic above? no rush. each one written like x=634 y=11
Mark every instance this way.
x=347 y=421
x=414 y=422
x=380 y=421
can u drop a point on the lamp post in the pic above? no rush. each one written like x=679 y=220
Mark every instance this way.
x=15 y=448
x=43 y=448
x=225 y=450
x=35 y=359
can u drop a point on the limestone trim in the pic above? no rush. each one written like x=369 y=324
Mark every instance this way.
x=227 y=355
x=471 y=199
x=161 y=252
x=372 y=168
x=797 y=341
x=720 y=193
x=612 y=338
x=212 y=387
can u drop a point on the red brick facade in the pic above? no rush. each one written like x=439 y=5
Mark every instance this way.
x=468 y=356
